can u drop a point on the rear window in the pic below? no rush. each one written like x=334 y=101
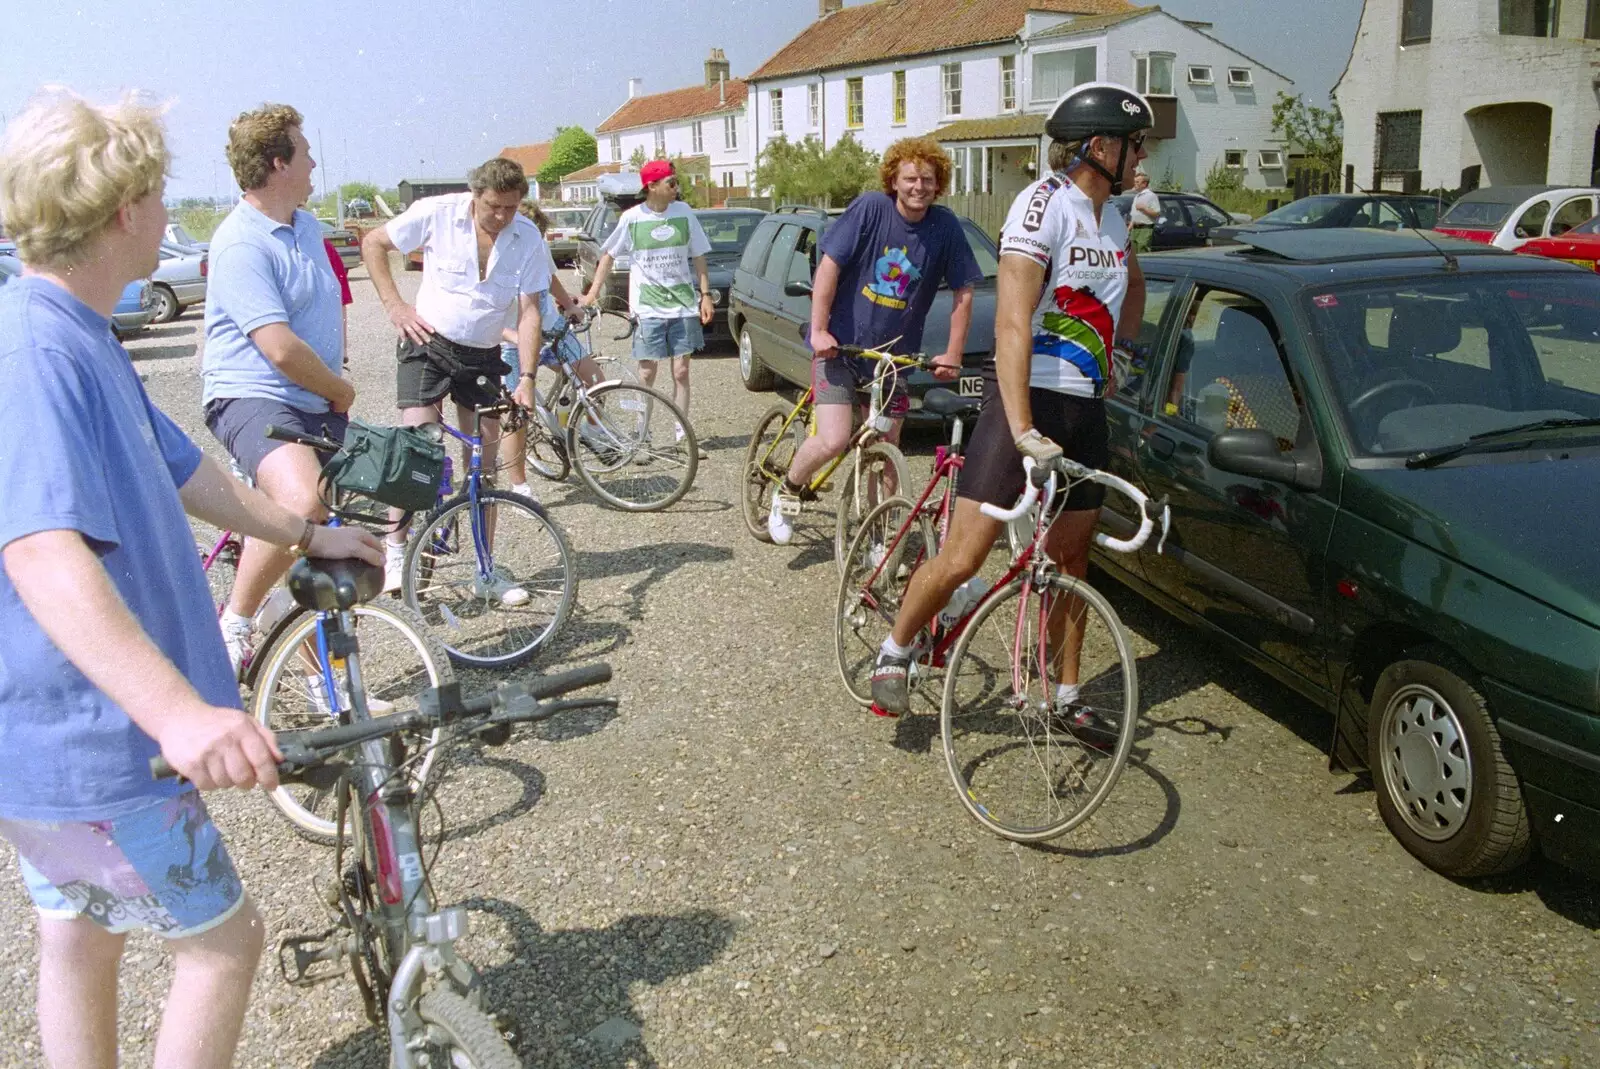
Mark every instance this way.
x=728 y=231
x=568 y=218
x=1304 y=212
x=1476 y=214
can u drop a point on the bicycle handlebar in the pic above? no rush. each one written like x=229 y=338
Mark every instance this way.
x=315 y=441
x=1073 y=471
x=507 y=704
x=920 y=360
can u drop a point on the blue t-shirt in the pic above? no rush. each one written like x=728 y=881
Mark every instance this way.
x=265 y=272
x=890 y=270
x=83 y=449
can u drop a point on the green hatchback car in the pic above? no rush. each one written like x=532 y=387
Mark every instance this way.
x=1382 y=453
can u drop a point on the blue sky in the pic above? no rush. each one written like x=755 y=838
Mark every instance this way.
x=405 y=87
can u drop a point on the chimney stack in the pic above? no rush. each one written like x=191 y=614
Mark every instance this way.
x=717 y=68
x=828 y=7
x=635 y=87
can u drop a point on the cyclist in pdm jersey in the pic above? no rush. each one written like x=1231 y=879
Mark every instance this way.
x=1067 y=280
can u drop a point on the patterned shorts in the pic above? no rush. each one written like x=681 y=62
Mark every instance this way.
x=162 y=868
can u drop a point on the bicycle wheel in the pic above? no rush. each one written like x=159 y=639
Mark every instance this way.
x=766 y=460
x=461 y=1036
x=544 y=453
x=632 y=446
x=869 y=596
x=858 y=497
x=501 y=618
x=398 y=660
x=1023 y=768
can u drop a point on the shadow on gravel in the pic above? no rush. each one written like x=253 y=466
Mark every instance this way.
x=1114 y=841
x=177 y=329
x=570 y=990
x=161 y=352
x=1570 y=894
x=471 y=761
x=656 y=562
x=725 y=441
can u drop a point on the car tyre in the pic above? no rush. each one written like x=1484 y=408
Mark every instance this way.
x=167 y=307
x=1443 y=784
x=757 y=377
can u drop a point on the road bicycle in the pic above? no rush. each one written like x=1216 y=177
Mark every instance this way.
x=630 y=444
x=1028 y=762
x=296 y=682
x=397 y=942
x=869 y=462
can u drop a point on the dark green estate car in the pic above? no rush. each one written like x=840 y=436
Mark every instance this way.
x=1382 y=453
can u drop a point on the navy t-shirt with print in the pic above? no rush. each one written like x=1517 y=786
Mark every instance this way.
x=890 y=270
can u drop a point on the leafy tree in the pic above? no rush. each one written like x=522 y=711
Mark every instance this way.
x=1316 y=133
x=1222 y=179
x=804 y=171
x=694 y=180
x=638 y=158
x=358 y=191
x=573 y=150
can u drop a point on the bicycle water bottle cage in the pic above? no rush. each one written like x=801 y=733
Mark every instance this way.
x=328 y=585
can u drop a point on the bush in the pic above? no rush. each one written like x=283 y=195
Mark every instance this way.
x=805 y=172
x=572 y=150
x=200 y=222
x=1251 y=202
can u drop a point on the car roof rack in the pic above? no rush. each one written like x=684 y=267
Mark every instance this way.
x=1333 y=245
x=809 y=209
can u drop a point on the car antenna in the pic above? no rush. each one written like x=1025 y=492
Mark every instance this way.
x=1450 y=261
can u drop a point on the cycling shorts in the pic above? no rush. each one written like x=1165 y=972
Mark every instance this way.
x=992 y=472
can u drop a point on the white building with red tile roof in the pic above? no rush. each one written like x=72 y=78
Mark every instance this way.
x=699 y=120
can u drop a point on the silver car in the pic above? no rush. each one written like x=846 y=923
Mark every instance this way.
x=179 y=281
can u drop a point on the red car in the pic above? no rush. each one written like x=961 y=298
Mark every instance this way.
x=1580 y=245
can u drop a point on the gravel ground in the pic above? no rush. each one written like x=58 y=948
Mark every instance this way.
x=741 y=868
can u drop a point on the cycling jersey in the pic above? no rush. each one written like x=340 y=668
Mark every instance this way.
x=1086 y=277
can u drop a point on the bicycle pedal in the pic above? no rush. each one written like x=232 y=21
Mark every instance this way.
x=878 y=710
x=315 y=958
x=788 y=506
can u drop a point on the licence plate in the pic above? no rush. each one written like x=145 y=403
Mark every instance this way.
x=1589 y=264
x=970 y=386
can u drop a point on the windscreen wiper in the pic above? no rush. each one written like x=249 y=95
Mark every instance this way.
x=1488 y=440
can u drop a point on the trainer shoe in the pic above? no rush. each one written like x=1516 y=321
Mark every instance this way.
x=394 y=562
x=891 y=692
x=236 y=637
x=500 y=587
x=784 y=505
x=1088 y=725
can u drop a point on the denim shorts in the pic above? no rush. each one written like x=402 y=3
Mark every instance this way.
x=240 y=424
x=162 y=868
x=658 y=339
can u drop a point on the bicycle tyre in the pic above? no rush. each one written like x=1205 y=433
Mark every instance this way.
x=544 y=453
x=277 y=711
x=635 y=450
x=761 y=480
x=990 y=672
x=849 y=511
x=441 y=564
x=862 y=617
x=456 y=1027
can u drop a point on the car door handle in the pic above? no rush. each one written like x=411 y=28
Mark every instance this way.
x=1162 y=446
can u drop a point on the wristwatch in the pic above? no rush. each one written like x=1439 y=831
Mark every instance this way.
x=528 y=375
x=304 y=545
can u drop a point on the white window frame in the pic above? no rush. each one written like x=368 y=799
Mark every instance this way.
x=697 y=137
x=730 y=132
x=860 y=85
x=775 y=108
x=1241 y=78
x=727 y=179
x=958 y=169
x=1142 y=63
x=1234 y=158
x=1206 y=78
x=898 y=104
x=950 y=88
x=1008 y=83
x=814 y=104
x=616 y=148
x=661 y=142
x=1036 y=83
x=1270 y=159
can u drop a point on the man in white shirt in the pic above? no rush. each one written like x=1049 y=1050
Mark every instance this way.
x=664 y=239
x=484 y=264
x=1145 y=212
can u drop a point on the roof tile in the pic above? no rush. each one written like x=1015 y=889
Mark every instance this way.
x=675 y=105
x=591 y=172
x=871 y=33
x=532 y=157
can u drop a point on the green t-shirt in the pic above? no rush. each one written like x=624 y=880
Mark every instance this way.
x=661 y=282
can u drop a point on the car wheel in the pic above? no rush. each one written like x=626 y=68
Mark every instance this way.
x=757 y=377
x=166 y=305
x=1444 y=786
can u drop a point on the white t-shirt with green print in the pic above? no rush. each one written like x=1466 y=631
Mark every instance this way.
x=662 y=282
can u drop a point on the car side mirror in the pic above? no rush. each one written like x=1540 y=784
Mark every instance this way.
x=1255 y=453
x=797 y=289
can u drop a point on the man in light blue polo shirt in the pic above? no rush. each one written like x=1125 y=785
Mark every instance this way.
x=274 y=343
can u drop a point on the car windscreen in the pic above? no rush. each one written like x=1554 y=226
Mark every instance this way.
x=1421 y=365
x=728 y=232
x=983 y=250
x=1591 y=227
x=1476 y=214
x=1307 y=211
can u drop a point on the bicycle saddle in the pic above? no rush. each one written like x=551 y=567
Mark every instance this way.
x=324 y=585
x=942 y=402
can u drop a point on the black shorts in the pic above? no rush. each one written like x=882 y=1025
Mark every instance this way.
x=423 y=380
x=240 y=424
x=992 y=472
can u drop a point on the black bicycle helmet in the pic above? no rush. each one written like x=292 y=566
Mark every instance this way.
x=1104 y=109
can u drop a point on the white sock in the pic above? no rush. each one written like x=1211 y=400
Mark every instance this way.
x=894 y=649
x=231 y=619
x=390 y=549
x=1066 y=693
